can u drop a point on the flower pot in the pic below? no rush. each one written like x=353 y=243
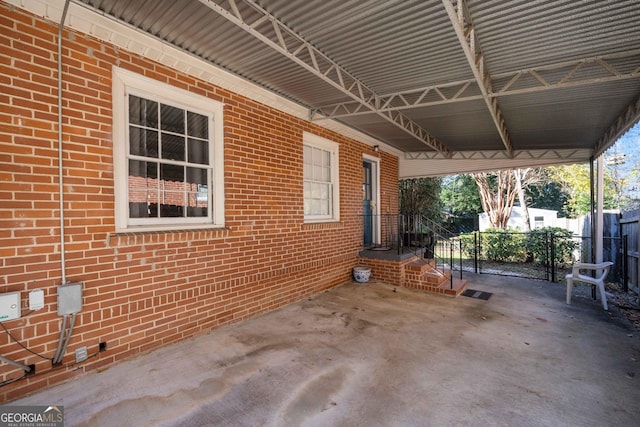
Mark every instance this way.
x=361 y=274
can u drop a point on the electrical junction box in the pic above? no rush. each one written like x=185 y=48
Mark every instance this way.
x=9 y=306
x=69 y=298
x=36 y=299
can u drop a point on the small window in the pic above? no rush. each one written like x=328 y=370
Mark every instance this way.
x=538 y=222
x=168 y=156
x=321 y=190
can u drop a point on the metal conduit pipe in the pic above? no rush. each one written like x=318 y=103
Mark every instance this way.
x=63 y=329
x=66 y=339
x=63 y=264
x=60 y=169
x=16 y=364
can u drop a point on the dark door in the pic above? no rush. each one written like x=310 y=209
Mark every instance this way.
x=367 y=206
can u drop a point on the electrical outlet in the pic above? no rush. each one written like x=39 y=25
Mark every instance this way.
x=81 y=354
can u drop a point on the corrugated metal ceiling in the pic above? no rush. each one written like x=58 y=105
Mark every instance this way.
x=589 y=51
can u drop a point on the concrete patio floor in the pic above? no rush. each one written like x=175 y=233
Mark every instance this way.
x=378 y=355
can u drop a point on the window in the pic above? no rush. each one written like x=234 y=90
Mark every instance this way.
x=321 y=190
x=168 y=156
x=538 y=222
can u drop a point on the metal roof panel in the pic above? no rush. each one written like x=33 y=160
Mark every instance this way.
x=561 y=72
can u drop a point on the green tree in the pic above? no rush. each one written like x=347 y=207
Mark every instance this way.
x=421 y=196
x=460 y=196
x=575 y=181
x=548 y=195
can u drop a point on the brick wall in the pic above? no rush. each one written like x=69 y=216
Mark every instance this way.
x=144 y=290
x=392 y=272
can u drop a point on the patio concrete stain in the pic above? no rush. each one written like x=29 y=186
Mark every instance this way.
x=377 y=355
x=315 y=396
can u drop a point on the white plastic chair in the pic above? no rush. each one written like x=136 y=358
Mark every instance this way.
x=602 y=269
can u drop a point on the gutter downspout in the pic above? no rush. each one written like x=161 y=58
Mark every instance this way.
x=63 y=262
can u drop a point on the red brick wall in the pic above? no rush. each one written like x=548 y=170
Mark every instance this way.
x=144 y=290
x=391 y=272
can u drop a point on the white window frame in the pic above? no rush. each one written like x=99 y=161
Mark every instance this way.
x=332 y=147
x=126 y=82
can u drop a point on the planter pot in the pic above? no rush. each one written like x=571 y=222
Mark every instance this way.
x=361 y=274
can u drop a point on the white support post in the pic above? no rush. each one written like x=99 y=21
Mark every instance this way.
x=599 y=209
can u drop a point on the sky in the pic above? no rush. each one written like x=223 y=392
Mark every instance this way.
x=627 y=169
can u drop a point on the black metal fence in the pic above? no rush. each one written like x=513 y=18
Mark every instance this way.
x=538 y=254
x=543 y=254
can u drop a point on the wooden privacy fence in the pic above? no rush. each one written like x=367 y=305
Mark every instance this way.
x=630 y=234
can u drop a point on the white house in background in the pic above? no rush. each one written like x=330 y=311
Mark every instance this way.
x=538 y=218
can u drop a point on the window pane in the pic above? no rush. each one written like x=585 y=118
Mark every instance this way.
x=321 y=173
x=172 y=176
x=319 y=207
x=317 y=156
x=143 y=112
x=307 y=153
x=196 y=176
x=326 y=159
x=172 y=119
x=172 y=191
x=327 y=174
x=197 y=125
x=173 y=204
x=173 y=147
x=307 y=198
x=198 y=192
x=198 y=152
x=143 y=189
x=197 y=196
x=147 y=170
x=143 y=142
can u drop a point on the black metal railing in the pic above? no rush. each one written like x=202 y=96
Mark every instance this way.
x=419 y=235
x=442 y=245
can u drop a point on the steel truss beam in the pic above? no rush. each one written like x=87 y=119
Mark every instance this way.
x=629 y=118
x=565 y=154
x=466 y=32
x=585 y=71
x=265 y=27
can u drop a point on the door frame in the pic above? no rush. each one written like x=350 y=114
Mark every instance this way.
x=375 y=195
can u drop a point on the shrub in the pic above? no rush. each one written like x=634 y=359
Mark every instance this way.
x=513 y=246
x=539 y=245
x=503 y=246
x=467 y=241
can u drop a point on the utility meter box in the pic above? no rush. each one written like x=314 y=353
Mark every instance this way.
x=69 y=298
x=10 y=306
